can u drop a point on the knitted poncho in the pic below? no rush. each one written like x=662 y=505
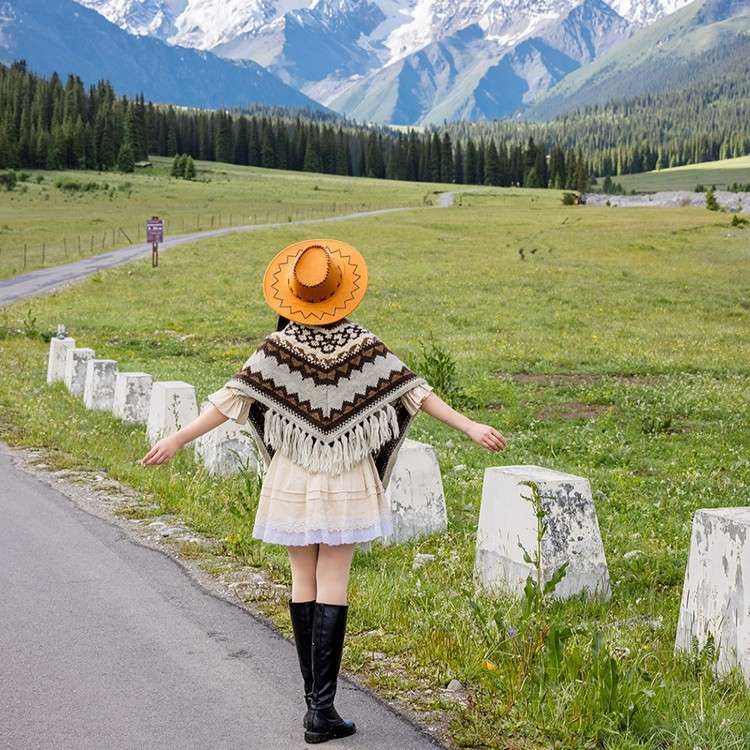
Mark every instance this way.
x=327 y=396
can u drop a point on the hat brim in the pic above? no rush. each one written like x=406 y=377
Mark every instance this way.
x=346 y=298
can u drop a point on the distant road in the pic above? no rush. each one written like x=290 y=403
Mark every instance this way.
x=109 y=644
x=46 y=279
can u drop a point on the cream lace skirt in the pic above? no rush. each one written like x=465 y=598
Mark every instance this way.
x=299 y=507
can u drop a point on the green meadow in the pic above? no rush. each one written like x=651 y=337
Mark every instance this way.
x=57 y=217
x=722 y=174
x=609 y=344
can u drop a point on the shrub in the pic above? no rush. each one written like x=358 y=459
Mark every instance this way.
x=8 y=179
x=569 y=199
x=711 y=203
x=74 y=186
x=440 y=369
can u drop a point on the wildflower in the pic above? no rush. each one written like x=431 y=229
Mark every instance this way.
x=512 y=632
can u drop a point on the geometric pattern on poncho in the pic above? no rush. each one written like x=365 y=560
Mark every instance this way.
x=326 y=396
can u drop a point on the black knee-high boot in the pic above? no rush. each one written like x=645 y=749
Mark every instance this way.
x=323 y=721
x=302 y=614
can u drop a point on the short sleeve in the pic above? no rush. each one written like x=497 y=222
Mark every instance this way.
x=413 y=398
x=232 y=403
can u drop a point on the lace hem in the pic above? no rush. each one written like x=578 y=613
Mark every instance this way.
x=272 y=535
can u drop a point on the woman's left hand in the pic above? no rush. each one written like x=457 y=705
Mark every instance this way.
x=487 y=436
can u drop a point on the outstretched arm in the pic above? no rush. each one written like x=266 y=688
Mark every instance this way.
x=482 y=434
x=165 y=448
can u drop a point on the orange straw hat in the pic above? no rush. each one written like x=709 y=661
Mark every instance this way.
x=315 y=281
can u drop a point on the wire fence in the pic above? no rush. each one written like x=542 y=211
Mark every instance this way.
x=34 y=255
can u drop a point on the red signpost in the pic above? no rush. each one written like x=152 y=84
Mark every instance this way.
x=155 y=235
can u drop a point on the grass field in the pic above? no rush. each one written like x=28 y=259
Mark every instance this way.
x=55 y=217
x=617 y=349
x=720 y=173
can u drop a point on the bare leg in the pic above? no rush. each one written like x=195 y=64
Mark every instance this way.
x=332 y=572
x=302 y=560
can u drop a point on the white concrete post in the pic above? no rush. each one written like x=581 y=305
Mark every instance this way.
x=507 y=517
x=58 y=349
x=415 y=493
x=132 y=396
x=716 y=595
x=99 y=384
x=227 y=449
x=172 y=406
x=75 y=368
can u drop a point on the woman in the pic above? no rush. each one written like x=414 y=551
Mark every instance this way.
x=329 y=406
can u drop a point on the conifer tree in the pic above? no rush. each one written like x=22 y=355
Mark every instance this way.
x=470 y=169
x=177 y=166
x=446 y=159
x=125 y=158
x=492 y=165
x=189 y=167
x=458 y=163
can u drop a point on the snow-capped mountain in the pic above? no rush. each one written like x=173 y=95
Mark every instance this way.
x=346 y=53
x=63 y=37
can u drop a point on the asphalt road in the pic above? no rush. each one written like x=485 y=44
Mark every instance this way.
x=46 y=279
x=106 y=644
x=109 y=645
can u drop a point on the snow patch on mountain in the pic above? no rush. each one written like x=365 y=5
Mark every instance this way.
x=408 y=25
x=327 y=47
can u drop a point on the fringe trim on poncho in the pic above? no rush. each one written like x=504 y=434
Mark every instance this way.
x=327 y=397
x=363 y=439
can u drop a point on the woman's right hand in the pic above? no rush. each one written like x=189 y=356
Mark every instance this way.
x=162 y=451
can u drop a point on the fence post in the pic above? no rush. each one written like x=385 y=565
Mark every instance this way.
x=24 y=255
x=44 y=248
x=65 y=246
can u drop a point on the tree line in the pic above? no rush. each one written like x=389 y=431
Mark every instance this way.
x=50 y=124
x=46 y=123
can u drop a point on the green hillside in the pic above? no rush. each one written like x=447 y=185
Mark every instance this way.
x=722 y=174
x=702 y=42
x=616 y=350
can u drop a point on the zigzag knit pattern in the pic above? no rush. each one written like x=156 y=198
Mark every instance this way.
x=327 y=396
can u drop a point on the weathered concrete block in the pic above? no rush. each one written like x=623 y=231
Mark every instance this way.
x=716 y=596
x=227 y=449
x=507 y=517
x=75 y=368
x=132 y=396
x=58 y=349
x=99 y=384
x=172 y=406
x=415 y=493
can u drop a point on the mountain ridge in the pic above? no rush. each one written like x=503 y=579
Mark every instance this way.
x=66 y=37
x=651 y=60
x=329 y=48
